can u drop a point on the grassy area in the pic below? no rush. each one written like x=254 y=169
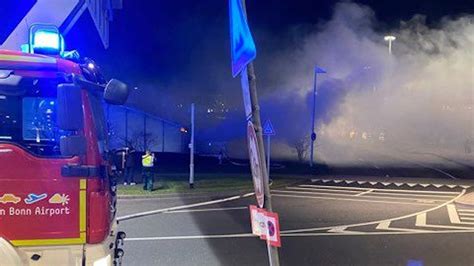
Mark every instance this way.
x=208 y=183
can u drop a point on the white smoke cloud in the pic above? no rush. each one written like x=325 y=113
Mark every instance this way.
x=421 y=98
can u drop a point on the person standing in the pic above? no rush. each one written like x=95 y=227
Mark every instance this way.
x=147 y=163
x=129 y=167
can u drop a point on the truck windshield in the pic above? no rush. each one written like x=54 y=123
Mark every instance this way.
x=28 y=116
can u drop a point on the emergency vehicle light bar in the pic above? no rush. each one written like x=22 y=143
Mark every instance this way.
x=45 y=39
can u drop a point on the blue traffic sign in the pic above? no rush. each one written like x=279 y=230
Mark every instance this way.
x=243 y=49
x=268 y=128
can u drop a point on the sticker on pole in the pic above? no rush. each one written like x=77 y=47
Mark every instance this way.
x=265 y=225
x=254 y=156
x=268 y=128
x=243 y=49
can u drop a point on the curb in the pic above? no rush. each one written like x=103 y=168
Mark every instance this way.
x=225 y=193
x=184 y=195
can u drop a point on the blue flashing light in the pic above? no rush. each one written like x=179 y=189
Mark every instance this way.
x=46 y=40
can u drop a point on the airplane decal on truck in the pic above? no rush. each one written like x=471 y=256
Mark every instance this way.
x=33 y=198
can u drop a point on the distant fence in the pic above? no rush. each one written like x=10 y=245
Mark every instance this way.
x=131 y=127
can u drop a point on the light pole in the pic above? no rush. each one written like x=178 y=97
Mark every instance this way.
x=317 y=70
x=389 y=39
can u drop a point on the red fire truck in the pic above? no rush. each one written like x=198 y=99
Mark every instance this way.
x=57 y=195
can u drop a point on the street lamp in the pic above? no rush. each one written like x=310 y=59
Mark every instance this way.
x=389 y=39
x=317 y=70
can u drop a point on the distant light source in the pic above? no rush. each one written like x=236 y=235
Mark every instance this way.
x=183 y=130
x=91 y=66
x=389 y=39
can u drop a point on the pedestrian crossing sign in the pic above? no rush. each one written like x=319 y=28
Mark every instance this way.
x=268 y=128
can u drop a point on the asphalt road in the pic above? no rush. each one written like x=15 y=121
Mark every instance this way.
x=334 y=220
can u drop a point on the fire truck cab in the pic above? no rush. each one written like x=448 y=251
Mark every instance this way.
x=57 y=194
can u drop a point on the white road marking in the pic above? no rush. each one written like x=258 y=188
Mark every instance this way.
x=363 y=193
x=323 y=189
x=377 y=195
x=352 y=199
x=410 y=194
x=342 y=230
x=465 y=214
x=386 y=226
x=421 y=222
x=466 y=210
x=379 y=221
x=147 y=213
x=311 y=193
x=383 y=189
x=208 y=210
x=453 y=214
x=335 y=187
x=420 y=219
x=160 y=238
x=468 y=219
x=376 y=233
x=188 y=237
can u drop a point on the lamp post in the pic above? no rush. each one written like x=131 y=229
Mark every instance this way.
x=389 y=39
x=317 y=70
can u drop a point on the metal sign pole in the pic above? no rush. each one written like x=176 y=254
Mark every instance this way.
x=191 y=147
x=268 y=155
x=312 y=121
x=272 y=251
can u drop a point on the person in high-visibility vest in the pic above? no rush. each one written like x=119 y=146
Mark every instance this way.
x=148 y=160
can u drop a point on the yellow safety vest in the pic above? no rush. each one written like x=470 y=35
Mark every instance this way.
x=147 y=160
